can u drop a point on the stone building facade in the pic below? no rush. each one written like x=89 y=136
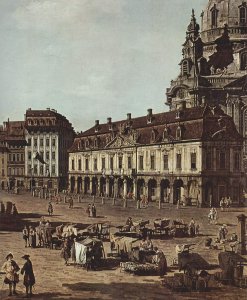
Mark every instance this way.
x=191 y=154
x=49 y=135
x=213 y=68
x=13 y=154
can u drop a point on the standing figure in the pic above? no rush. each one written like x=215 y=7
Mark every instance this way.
x=11 y=268
x=222 y=204
x=66 y=253
x=32 y=237
x=89 y=210
x=93 y=211
x=29 y=279
x=192 y=227
x=25 y=235
x=160 y=260
x=71 y=202
x=50 y=208
x=14 y=210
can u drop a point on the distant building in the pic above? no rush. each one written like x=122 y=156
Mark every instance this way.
x=12 y=143
x=192 y=155
x=49 y=135
x=213 y=68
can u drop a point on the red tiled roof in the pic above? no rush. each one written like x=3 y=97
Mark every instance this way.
x=196 y=124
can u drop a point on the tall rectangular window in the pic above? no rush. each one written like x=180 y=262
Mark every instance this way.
x=208 y=160
x=236 y=161
x=35 y=169
x=17 y=157
x=179 y=161
x=86 y=164
x=47 y=143
x=103 y=163
x=41 y=142
x=222 y=160
x=129 y=162
x=193 y=161
x=120 y=162
x=165 y=162
x=79 y=164
x=152 y=162
x=53 y=142
x=29 y=155
x=53 y=155
x=22 y=157
x=47 y=155
x=141 y=162
x=72 y=164
x=95 y=162
x=13 y=157
x=111 y=162
x=41 y=170
x=29 y=142
x=53 y=169
x=35 y=142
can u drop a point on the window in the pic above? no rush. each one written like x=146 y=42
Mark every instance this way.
x=129 y=162
x=22 y=157
x=2 y=172
x=179 y=161
x=152 y=162
x=53 y=169
x=29 y=169
x=120 y=162
x=165 y=162
x=86 y=164
x=13 y=157
x=185 y=68
x=29 y=141
x=193 y=161
x=95 y=167
x=10 y=157
x=41 y=142
x=53 y=142
x=242 y=14
x=35 y=142
x=72 y=164
x=29 y=155
x=17 y=157
x=53 y=155
x=222 y=160
x=47 y=142
x=41 y=154
x=179 y=133
x=17 y=171
x=236 y=161
x=243 y=62
x=47 y=155
x=111 y=162
x=79 y=164
x=103 y=162
x=214 y=16
x=141 y=162
x=35 y=169
x=208 y=160
x=41 y=170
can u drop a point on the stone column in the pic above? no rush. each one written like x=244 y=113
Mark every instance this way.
x=91 y=185
x=107 y=187
x=76 y=185
x=125 y=189
x=82 y=186
x=242 y=234
x=115 y=192
x=171 y=194
x=158 y=192
x=135 y=189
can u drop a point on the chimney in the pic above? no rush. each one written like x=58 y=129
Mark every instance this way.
x=96 y=123
x=109 y=120
x=149 y=115
x=48 y=108
x=129 y=116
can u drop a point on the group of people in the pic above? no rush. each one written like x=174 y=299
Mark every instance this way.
x=91 y=210
x=193 y=228
x=225 y=203
x=213 y=215
x=12 y=209
x=29 y=236
x=11 y=269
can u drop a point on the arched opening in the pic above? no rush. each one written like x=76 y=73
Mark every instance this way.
x=152 y=185
x=94 y=186
x=193 y=192
x=209 y=198
x=111 y=187
x=236 y=192
x=178 y=190
x=221 y=191
x=32 y=183
x=165 y=190
x=120 y=188
x=79 y=185
x=140 y=188
x=102 y=186
x=130 y=188
x=86 y=185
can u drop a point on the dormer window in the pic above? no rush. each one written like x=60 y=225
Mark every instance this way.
x=96 y=142
x=179 y=133
x=242 y=14
x=165 y=133
x=153 y=136
x=87 y=143
x=214 y=16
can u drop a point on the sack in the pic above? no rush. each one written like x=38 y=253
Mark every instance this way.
x=16 y=278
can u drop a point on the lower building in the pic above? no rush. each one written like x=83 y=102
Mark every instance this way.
x=191 y=155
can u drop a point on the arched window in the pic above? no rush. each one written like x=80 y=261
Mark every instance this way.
x=214 y=16
x=243 y=61
x=179 y=133
x=242 y=14
x=153 y=135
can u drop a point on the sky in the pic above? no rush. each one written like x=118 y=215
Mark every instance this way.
x=90 y=59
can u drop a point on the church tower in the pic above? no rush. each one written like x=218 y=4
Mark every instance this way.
x=213 y=68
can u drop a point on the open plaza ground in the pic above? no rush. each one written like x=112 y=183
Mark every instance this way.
x=55 y=280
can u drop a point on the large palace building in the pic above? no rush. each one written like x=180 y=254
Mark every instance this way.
x=193 y=153
x=213 y=68
x=49 y=135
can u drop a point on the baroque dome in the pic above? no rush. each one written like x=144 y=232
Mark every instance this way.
x=221 y=12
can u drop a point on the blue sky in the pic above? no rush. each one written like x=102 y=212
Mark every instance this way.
x=90 y=59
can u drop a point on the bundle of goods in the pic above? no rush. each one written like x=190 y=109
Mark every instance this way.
x=139 y=269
